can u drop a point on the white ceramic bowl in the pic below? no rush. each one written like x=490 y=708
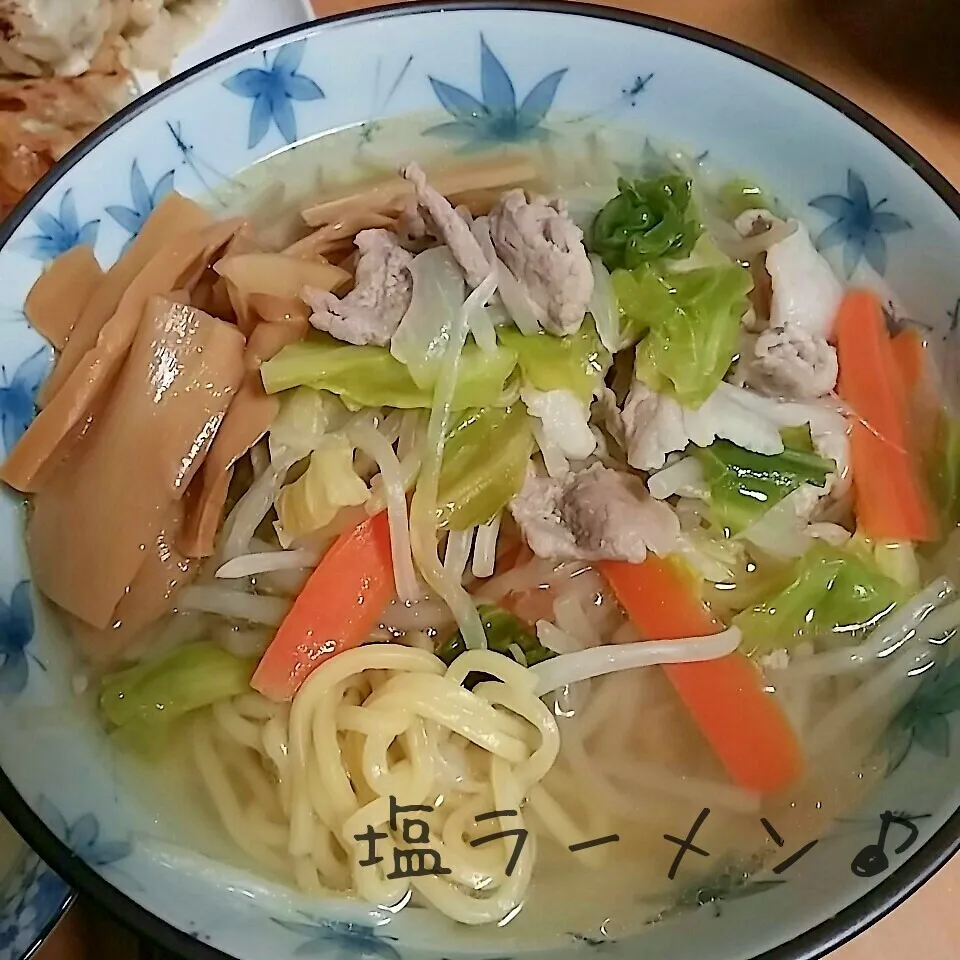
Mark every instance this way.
x=493 y=73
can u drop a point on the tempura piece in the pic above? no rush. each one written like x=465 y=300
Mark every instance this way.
x=58 y=36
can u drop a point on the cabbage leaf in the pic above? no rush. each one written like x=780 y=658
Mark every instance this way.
x=369 y=376
x=836 y=594
x=159 y=691
x=305 y=416
x=484 y=465
x=692 y=325
x=744 y=485
x=329 y=483
x=577 y=362
x=647 y=220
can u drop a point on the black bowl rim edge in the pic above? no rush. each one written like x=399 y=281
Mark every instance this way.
x=59 y=915
x=809 y=945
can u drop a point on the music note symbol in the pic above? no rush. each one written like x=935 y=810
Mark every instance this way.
x=872 y=859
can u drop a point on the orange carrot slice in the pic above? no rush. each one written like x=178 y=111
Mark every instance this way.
x=336 y=610
x=891 y=502
x=742 y=723
x=909 y=357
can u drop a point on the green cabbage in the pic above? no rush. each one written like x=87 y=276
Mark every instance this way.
x=506 y=635
x=369 y=376
x=692 y=325
x=160 y=691
x=485 y=461
x=329 y=483
x=647 y=220
x=834 y=595
x=739 y=196
x=305 y=416
x=745 y=485
x=943 y=470
x=576 y=362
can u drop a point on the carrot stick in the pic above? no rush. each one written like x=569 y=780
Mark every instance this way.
x=924 y=405
x=891 y=502
x=742 y=723
x=908 y=354
x=338 y=607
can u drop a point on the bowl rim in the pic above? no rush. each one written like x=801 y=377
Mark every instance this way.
x=812 y=944
x=69 y=902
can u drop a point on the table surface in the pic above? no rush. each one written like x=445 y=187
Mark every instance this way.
x=897 y=60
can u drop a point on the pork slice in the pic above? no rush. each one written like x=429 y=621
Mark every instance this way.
x=653 y=427
x=806 y=291
x=594 y=514
x=656 y=424
x=373 y=309
x=447 y=225
x=95 y=519
x=543 y=248
x=792 y=363
x=74 y=402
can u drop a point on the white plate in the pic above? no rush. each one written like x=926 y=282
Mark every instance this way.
x=240 y=22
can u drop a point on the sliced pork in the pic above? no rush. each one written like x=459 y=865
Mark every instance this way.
x=447 y=225
x=383 y=287
x=543 y=248
x=596 y=514
x=656 y=425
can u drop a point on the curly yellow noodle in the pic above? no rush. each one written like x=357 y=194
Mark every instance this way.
x=297 y=788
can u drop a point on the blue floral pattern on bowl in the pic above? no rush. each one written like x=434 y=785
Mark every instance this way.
x=16 y=632
x=144 y=200
x=859 y=226
x=925 y=720
x=60 y=232
x=18 y=396
x=495 y=118
x=82 y=835
x=199 y=136
x=340 y=941
x=274 y=90
x=34 y=899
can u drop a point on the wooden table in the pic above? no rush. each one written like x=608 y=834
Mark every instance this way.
x=899 y=60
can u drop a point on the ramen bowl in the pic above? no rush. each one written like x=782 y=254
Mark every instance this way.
x=486 y=76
